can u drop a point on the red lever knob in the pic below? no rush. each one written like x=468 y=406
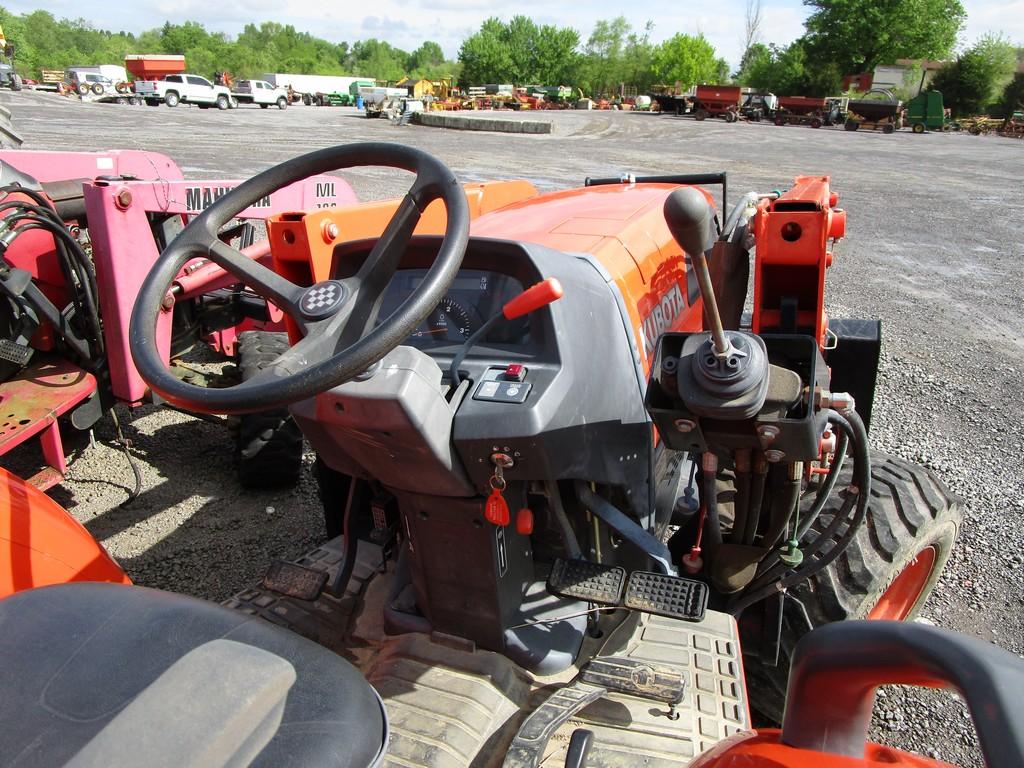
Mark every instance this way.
x=533 y=298
x=524 y=521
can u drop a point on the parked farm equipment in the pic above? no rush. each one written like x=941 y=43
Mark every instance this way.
x=759 y=106
x=926 y=112
x=803 y=110
x=882 y=114
x=78 y=233
x=717 y=101
x=1013 y=126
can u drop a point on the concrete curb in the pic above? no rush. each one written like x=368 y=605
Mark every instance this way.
x=460 y=123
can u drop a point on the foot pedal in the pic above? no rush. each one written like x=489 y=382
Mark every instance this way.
x=13 y=352
x=528 y=746
x=637 y=678
x=294 y=580
x=663 y=595
x=583 y=580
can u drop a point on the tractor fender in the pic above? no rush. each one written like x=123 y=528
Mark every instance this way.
x=42 y=544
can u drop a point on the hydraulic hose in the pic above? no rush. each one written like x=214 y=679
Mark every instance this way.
x=742 y=505
x=823 y=494
x=709 y=495
x=782 y=507
x=73 y=259
x=854 y=428
x=85 y=279
x=756 y=498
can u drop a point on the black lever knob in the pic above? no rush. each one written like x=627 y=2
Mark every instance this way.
x=689 y=219
x=579 y=748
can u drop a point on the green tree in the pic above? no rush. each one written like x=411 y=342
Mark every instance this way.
x=857 y=35
x=518 y=52
x=428 y=56
x=1013 y=96
x=687 y=60
x=615 y=54
x=972 y=83
x=378 y=59
x=787 y=71
x=483 y=55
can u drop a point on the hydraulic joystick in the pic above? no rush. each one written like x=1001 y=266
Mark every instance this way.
x=729 y=368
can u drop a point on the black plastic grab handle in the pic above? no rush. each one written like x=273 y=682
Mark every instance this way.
x=836 y=669
x=690 y=179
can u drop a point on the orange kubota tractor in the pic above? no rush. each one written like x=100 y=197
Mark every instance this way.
x=582 y=509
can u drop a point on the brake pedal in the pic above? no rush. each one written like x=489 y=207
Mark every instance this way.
x=670 y=596
x=294 y=580
x=636 y=678
x=13 y=352
x=587 y=581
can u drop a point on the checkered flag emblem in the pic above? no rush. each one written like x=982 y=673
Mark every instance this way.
x=321 y=299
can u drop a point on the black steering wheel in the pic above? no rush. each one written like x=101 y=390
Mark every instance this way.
x=336 y=317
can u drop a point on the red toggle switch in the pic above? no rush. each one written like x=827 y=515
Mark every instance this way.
x=533 y=298
x=515 y=372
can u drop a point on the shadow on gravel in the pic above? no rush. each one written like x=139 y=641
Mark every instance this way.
x=193 y=528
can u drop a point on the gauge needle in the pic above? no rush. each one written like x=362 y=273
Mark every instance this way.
x=436 y=330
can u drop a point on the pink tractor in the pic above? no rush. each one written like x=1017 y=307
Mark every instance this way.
x=78 y=233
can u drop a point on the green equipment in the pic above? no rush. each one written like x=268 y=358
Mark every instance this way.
x=926 y=111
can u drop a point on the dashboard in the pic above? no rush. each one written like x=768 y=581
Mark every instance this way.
x=475 y=296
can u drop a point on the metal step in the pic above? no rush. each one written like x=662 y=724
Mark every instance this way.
x=658 y=682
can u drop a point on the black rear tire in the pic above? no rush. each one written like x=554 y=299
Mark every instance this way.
x=269 y=445
x=909 y=512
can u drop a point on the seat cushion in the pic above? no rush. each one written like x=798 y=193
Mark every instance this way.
x=72 y=656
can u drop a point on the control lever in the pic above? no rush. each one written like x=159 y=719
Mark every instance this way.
x=689 y=219
x=533 y=298
x=579 y=748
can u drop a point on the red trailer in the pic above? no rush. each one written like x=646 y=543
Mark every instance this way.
x=800 y=110
x=717 y=101
x=154 y=66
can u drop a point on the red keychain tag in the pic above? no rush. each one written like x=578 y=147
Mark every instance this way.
x=496 y=509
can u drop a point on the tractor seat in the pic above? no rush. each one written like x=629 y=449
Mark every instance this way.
x=107 y=675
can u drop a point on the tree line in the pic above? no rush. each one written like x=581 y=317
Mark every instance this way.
x=42 y=41
x=840 y=37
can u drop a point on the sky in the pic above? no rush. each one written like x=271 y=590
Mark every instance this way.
x=407 y=23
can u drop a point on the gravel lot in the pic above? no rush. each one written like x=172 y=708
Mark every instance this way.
x=934 y=248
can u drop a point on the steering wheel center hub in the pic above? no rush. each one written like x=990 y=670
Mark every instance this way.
x=322 y=299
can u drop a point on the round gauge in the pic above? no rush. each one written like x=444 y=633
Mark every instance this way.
x=449 y=322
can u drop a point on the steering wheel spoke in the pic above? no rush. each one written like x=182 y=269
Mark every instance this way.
x=368 y=285
x=261 y=279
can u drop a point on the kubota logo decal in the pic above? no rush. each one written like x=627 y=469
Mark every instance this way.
x=663 y=315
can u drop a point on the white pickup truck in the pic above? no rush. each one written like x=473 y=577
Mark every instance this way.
x=260 y=92
x=192 y=89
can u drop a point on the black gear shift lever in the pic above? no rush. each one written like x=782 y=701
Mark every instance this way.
x=689 y=219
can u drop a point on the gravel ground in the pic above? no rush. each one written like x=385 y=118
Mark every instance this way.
x=934 y=248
